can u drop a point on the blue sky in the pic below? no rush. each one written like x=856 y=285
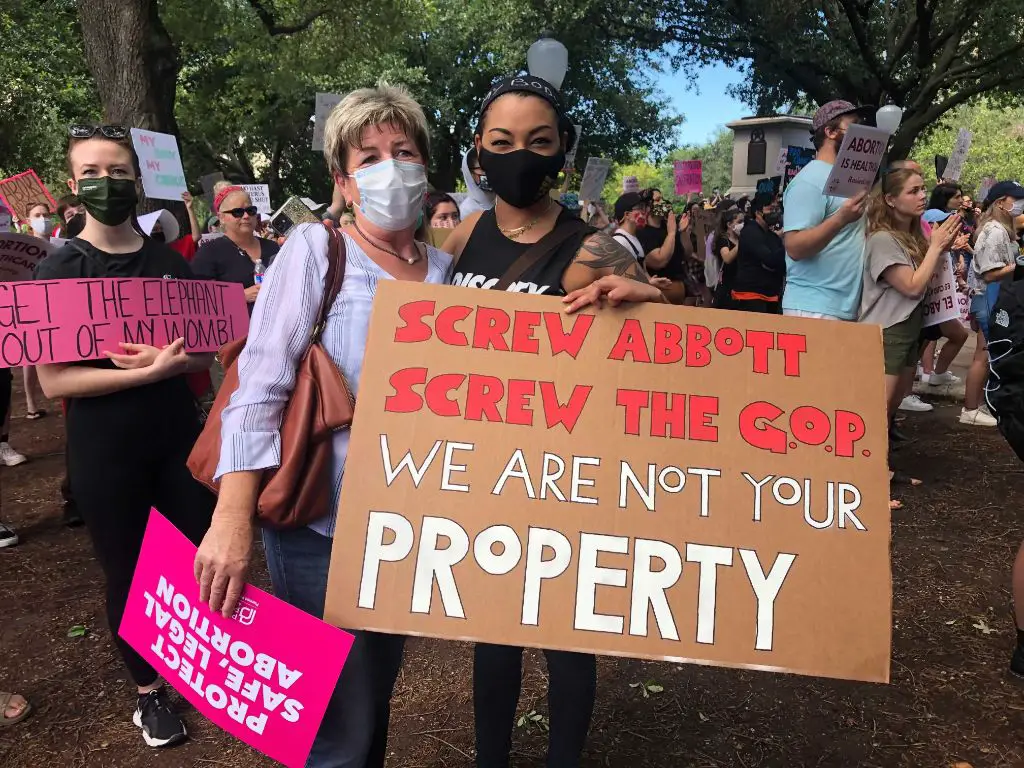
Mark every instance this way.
x=707 y=106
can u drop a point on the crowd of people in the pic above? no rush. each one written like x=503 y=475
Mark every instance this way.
x=132 y=418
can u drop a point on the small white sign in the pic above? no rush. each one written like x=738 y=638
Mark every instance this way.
x=780 y=162
x=857 y=163
x=570 y=157
x=163 y=178
x=260 y=196
x=325 y=102
x=955 y=166
x=941 y=302
x=986 y=186
x=594 y=178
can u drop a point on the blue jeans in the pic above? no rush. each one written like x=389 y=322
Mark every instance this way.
x=354 y=731
x=981 y=307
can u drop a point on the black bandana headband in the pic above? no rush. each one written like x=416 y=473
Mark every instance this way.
x=534 y=86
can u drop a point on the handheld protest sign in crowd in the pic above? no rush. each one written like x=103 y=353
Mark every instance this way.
x=20 y=255
x=20 y=192
x=711 y=489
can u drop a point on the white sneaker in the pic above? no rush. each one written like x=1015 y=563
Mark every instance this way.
x=9 y=456
x=977 y=418
x=8 y=538
x=910 y=403
x=939 y=379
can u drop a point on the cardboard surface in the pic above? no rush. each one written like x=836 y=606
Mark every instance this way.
x=858 y=160
x=688 y=176
x=22 y=191
x=60 y=321
x=20 y=255
x=163 y=178
x=265 y=675
x=578 y=518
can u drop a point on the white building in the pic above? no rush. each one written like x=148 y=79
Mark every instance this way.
x=756 y=142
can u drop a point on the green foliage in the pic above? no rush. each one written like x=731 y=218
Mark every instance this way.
x=995 y=148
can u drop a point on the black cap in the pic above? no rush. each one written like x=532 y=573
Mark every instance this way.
x=1004 y=189
x=627 y=203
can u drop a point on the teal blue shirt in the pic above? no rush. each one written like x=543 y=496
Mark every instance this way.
x=830 y=282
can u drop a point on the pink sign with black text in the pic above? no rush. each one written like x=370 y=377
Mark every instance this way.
x=265 y=675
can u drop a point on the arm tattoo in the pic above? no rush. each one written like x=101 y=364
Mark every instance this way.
x=602 y=253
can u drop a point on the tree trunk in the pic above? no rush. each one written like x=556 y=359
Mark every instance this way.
x=135 y=66
x=448 y=163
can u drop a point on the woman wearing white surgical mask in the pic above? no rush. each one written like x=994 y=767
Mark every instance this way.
x=376 y=146
x=40 y=220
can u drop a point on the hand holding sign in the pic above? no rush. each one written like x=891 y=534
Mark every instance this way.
x=853 y=208
x=134 y=356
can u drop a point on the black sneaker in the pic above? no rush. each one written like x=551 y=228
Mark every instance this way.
x=72 y=517
x=161 y=726
x=1017 y=661
x=8 y=538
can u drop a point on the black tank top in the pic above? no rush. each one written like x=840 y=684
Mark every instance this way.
x=488 y=254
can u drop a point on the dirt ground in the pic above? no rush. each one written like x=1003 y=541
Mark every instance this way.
x=949 y=701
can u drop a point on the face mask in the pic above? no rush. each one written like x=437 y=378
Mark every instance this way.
x=391 y=193
x=109 y=201
x=159 y=237
x=773 y=219
x=522 y=177
x=737 y=228
x=1018 y=207
x=41 y=225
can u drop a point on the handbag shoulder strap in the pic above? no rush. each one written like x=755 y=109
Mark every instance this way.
x=332 y=280
x=564 y=229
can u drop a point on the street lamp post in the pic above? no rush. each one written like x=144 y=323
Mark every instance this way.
x=888 y=118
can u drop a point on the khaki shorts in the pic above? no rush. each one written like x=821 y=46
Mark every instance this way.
x=902 y=343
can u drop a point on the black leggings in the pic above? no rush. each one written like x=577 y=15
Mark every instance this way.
x=121 y=471
x=497 y=681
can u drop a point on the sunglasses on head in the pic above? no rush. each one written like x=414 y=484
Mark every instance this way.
x=88 y=131
x=238 y=213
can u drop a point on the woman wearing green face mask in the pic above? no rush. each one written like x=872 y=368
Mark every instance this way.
x=131 y=418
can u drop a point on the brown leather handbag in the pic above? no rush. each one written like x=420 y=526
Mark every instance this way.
x=299 y=491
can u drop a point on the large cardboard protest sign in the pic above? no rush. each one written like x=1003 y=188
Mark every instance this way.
x=260 y=196
x=594 y=177
x=325 y=104
x=858 y=160
x=163 y=178
x=60 y=321
x=688 y=176
x=19 y=193
x=955 y=166
x=941 y=302
x=647 y=481
x=265 y=675
x=20 y=255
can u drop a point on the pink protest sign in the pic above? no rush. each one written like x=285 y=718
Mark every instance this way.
x=265 y=675
x=60 y=321
x=688 y=176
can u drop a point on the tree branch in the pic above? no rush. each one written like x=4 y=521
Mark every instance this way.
x=274 y=29
x=860 y=35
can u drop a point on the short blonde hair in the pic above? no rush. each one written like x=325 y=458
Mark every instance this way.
x=383 y=105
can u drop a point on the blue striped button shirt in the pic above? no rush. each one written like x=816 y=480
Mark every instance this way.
x=279 y=330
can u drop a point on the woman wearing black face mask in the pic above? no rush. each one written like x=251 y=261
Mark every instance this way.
x=521 y=139
x=761 y=261
x=131 y=419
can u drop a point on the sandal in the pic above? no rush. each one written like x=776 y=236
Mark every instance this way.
x=33 y=415
x=5 y=702
x=899 y=478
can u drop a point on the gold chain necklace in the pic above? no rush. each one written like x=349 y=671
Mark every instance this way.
x=515 y=234
x=419 y=256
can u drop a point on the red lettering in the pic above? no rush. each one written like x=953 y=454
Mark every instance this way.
x=631 y=341
x=482 y=398
x=810 y=425
x=405 y=399
x=445 y=328
x=490 y=325
x=572 y=341
x=849 y=429
x=634 y=401
x=697 y=339
x=762 y=435
x=414 y=329
x=761 y=342
x=523 y=339
x=567 y=415
x=729 y=341
x=668 y=420
x=436 y=393
x=668 y=343
x=519 y=393
x=701 y=409
x=793 y=345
